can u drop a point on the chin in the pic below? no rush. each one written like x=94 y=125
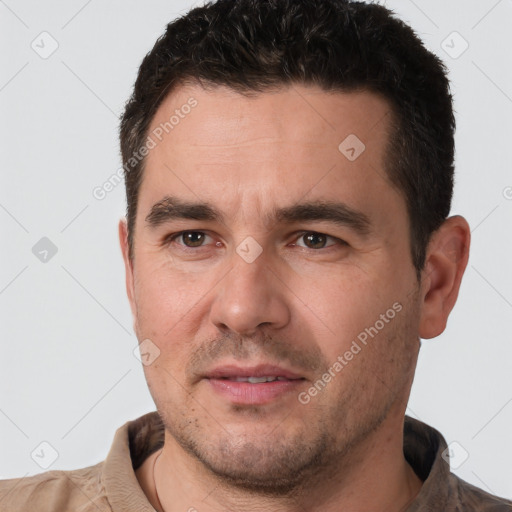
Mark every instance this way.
x=254 y=469
x=265 y=464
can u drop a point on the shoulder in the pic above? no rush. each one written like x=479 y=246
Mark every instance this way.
x=53 y=491
x=475 y=499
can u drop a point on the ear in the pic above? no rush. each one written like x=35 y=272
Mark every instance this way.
x=446 y=260
x=128 y=265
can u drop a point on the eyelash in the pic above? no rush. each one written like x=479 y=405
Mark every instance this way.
x=338 y=241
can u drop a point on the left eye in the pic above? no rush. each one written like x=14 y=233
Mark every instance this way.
x=190 y=238
x=314 y=240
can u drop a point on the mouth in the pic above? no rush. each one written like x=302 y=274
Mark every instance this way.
x=253 y=385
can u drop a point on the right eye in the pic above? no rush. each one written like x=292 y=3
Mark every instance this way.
x=189 y=239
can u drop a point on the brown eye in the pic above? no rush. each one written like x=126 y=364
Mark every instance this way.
x=315 y=240
x=193 y=238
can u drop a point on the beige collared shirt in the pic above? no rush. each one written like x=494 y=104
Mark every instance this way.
x=112 y=486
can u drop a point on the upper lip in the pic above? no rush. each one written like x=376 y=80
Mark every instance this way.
x=260 y=370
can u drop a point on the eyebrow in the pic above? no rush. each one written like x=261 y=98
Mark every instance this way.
x=172 y=208
x=330 y=211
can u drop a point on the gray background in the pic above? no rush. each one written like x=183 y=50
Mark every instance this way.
x=68 y=376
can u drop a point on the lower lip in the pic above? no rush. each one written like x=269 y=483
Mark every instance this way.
x=254 y=394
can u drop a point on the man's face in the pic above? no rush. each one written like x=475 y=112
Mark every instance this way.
x=295 y=255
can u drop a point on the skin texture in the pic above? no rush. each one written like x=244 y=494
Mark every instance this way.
x=295 y=306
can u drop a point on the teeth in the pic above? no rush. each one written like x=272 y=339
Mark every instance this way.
x=257 y=380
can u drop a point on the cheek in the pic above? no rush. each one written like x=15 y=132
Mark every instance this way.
x=165 y=296
x=171 y=310
x=343 y=306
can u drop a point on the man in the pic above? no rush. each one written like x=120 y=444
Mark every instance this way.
x=289 y=172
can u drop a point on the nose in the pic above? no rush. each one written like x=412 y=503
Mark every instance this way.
x=249 y=297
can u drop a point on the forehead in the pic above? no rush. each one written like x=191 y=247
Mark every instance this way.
x=296 y=113
x=271 y=148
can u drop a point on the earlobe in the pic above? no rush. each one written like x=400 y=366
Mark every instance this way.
x=446 y=260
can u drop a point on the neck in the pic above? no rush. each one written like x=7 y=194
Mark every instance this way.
x=376 y=464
